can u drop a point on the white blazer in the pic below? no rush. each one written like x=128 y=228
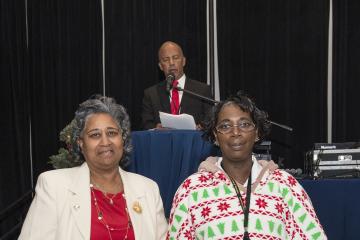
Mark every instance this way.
x=61 y=207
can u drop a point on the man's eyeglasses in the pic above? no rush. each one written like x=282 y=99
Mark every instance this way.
x=225 y=128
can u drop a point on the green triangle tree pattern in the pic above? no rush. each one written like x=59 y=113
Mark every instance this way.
x=234 y=226
x=183 y=208
x=178 y=218
x=221 y=227
x=216 y=191
x=310 y=226
x=210 y=232
x=279 y=230
x=205 y=194
x=258 y=225
x=195 y=196
x=285 y=191
x=296 y=207
x=202 y=233
x=271 y=226
x=291 y=202
x=302 y=218
x=316 y=235
x=271 y=186
x=173 y=229
x=227 y=190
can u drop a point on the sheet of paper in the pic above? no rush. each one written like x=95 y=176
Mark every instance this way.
x=181 y=121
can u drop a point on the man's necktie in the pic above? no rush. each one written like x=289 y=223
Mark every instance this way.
x=175 y=99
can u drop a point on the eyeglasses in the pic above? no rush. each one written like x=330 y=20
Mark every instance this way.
x=225 y=128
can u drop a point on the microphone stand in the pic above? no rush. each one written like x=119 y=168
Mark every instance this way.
x=290 y=129
x=197 y=95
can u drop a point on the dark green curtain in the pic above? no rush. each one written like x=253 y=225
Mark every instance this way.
x=65 y=67
x=15 y=179
x=135 y=30
x=346 y=71
x=276 y=51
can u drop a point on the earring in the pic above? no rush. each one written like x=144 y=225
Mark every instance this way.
x=216 y=143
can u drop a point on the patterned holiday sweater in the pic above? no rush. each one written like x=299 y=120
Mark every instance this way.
x=206 y=207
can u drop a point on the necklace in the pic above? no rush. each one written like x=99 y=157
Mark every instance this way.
x=102 y=219
x=111 y=201
x=246 y=209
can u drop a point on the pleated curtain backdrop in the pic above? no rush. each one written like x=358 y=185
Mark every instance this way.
x=135 y=29
x=346 y=80
x=15 y=166
x=276 y=51
x=65 y=68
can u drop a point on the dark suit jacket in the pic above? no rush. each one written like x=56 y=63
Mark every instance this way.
x=157 y=99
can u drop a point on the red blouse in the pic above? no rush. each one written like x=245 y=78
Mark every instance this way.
x=114 y=215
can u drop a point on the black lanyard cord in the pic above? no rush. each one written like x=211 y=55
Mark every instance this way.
x=246 y=208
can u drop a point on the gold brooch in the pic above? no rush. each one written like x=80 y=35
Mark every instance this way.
x=136 y=207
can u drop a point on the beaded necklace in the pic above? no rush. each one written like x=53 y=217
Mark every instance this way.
x=101 y=217
x=105 y=194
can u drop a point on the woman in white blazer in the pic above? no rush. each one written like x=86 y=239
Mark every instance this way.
x=96 y=199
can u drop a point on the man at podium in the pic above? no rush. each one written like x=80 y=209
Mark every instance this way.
x=165 y=97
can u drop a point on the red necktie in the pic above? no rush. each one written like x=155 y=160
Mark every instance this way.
x=175 y=99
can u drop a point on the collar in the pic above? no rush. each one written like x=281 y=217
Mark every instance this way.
x=181 y=81
x=255 y=170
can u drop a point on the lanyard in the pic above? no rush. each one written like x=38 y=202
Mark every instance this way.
x=246 y=208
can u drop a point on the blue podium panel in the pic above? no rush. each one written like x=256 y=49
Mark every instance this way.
x=337 y=204
x=168 y=157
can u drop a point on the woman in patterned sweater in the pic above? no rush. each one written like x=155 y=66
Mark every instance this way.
x=237 y=196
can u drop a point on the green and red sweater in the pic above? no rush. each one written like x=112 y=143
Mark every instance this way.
x=205 y=206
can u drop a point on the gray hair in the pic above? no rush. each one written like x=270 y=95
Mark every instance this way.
x=102 y=104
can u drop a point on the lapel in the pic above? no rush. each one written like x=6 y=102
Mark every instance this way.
x=163 y=97
x=80 y=200
x=185 y=100
x=135 y=201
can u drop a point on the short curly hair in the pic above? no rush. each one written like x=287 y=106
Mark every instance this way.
x=245 y=103
x=101 y=104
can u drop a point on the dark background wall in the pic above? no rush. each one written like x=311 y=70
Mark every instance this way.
x=276 y=50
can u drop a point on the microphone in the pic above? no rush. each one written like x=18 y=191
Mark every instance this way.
x=169 y=81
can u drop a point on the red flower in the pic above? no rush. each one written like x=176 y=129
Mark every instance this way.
x=277 y=173
x=205 y=212
x=188 y=235
x=222 y=176
x=292 y=180
x=186 y=184
x=223 y=206
x=279 y=208
x=261 y=203
x=203 y=178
